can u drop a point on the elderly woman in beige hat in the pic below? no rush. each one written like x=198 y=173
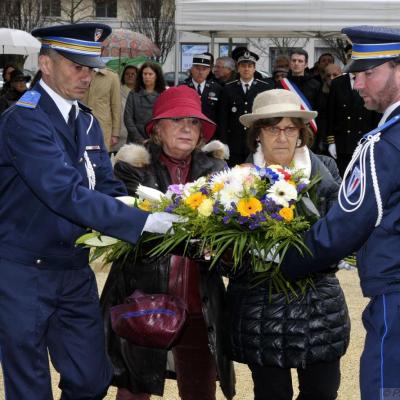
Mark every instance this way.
x=268 y=331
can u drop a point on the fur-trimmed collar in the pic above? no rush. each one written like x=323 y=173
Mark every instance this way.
x=301 y=159
x=139 y=156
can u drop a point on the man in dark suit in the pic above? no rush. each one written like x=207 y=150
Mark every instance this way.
x=237 y=99
x=56 y=180
x=347 y=120
x=208 y=90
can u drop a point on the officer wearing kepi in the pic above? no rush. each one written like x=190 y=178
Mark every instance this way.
x=55 y=181
x=208 y=90
x=367 y=216
x=237 y=99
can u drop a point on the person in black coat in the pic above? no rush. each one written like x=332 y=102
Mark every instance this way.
x=17 y=87
x=208 y=90
x=271 y=332
x=347 y=120
x=237 y=99
x=173 y=155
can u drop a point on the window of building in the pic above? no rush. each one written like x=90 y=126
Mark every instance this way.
x=105 y=8
x=187 y=52
x=51 y=8
x=224 y=48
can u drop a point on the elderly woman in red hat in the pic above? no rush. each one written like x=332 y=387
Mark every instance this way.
x=176 y=153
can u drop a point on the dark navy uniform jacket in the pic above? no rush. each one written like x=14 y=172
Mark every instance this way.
x=340 y=233
x=210 y=98
x=235 y=103
x=45 y=202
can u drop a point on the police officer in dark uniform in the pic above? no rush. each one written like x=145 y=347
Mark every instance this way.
x=367 y=215
x=347 y=120
x=56 y=180
x=237 y=99
x=208 y=90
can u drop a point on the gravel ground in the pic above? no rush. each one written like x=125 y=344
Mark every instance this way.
x=244 y=388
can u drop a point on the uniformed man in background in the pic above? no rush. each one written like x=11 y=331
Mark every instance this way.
x=208 y=90
x=237 y=99
x=56 y=180
x=366 y=217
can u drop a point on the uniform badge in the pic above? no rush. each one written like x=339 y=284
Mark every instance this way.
x=97 y=34
x=95 y=147
x=354 y=181
x=234 y=109
x=211 y=94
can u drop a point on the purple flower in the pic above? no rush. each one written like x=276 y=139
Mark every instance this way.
x=226 y=220
x=276 y=216
x=301 y=187
x=177 y=189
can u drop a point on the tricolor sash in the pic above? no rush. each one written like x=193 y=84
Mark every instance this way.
x=305 y=105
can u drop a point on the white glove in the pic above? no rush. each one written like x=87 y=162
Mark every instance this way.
x=332 y=150
x=345 y=265
x=272 y=255
x=160 y=222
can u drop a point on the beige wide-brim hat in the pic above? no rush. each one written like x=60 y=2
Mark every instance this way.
x=276 y=103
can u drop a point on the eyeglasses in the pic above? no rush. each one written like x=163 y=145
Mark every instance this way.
x=289 y=131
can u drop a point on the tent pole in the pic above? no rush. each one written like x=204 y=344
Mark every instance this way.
x=212 y=43
x=177 y=52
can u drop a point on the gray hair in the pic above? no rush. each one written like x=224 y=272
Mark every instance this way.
x=228 y=62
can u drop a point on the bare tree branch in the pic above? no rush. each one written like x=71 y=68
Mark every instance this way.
x=21 y=14
x=73 y=11
x=156 y=20
x=284 y=44
x=337 y=44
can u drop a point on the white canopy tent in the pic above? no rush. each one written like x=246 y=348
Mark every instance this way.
x=279 y=18
x=266 y=18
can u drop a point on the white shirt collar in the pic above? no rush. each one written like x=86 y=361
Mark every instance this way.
x=246 y=83
x=62 y=104
x=202 y=84
x=388 y=111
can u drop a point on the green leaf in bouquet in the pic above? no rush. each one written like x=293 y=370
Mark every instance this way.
x=82 y=239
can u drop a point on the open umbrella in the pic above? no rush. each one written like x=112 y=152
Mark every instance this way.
x=118 y=64
x=15 y=41
x=126 y=43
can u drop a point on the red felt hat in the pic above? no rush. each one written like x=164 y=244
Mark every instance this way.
x=180 y=102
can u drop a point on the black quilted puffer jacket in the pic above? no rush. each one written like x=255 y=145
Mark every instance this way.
x=270 y=331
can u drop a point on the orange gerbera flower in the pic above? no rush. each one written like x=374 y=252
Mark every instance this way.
x=248 y=207
x=195 y=199
x=286 y=213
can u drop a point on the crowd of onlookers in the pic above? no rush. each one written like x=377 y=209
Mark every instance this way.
x=227 y=88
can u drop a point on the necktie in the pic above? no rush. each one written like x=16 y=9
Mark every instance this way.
x=71 y=118
x=199 y=90
x=71 y=121
x=246 y=88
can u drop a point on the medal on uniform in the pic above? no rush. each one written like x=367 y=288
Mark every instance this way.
x=234 y=109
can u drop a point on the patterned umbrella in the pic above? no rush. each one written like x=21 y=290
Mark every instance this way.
x=126 y=43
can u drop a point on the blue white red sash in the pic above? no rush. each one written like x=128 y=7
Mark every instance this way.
x=305 y=105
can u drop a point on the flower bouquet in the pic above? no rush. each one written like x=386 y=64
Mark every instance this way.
x=254 y=213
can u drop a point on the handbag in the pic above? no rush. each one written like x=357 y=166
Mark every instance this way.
x=149 y=320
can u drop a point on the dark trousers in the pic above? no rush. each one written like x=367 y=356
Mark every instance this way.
x=380 y=360
x=52 y=312
x=194 y=365
x=316 y=382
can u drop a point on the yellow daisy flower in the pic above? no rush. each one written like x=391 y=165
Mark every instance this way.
x=195 y=199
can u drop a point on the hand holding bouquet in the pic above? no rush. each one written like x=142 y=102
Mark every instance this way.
x=251 y=211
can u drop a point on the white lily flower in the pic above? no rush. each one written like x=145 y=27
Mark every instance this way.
x=282 y=192
x=148 y=193
x=128 y=200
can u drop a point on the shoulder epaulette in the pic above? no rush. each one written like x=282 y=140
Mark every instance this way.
x=230 y=83
x=262 y=81
x=29 y=99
